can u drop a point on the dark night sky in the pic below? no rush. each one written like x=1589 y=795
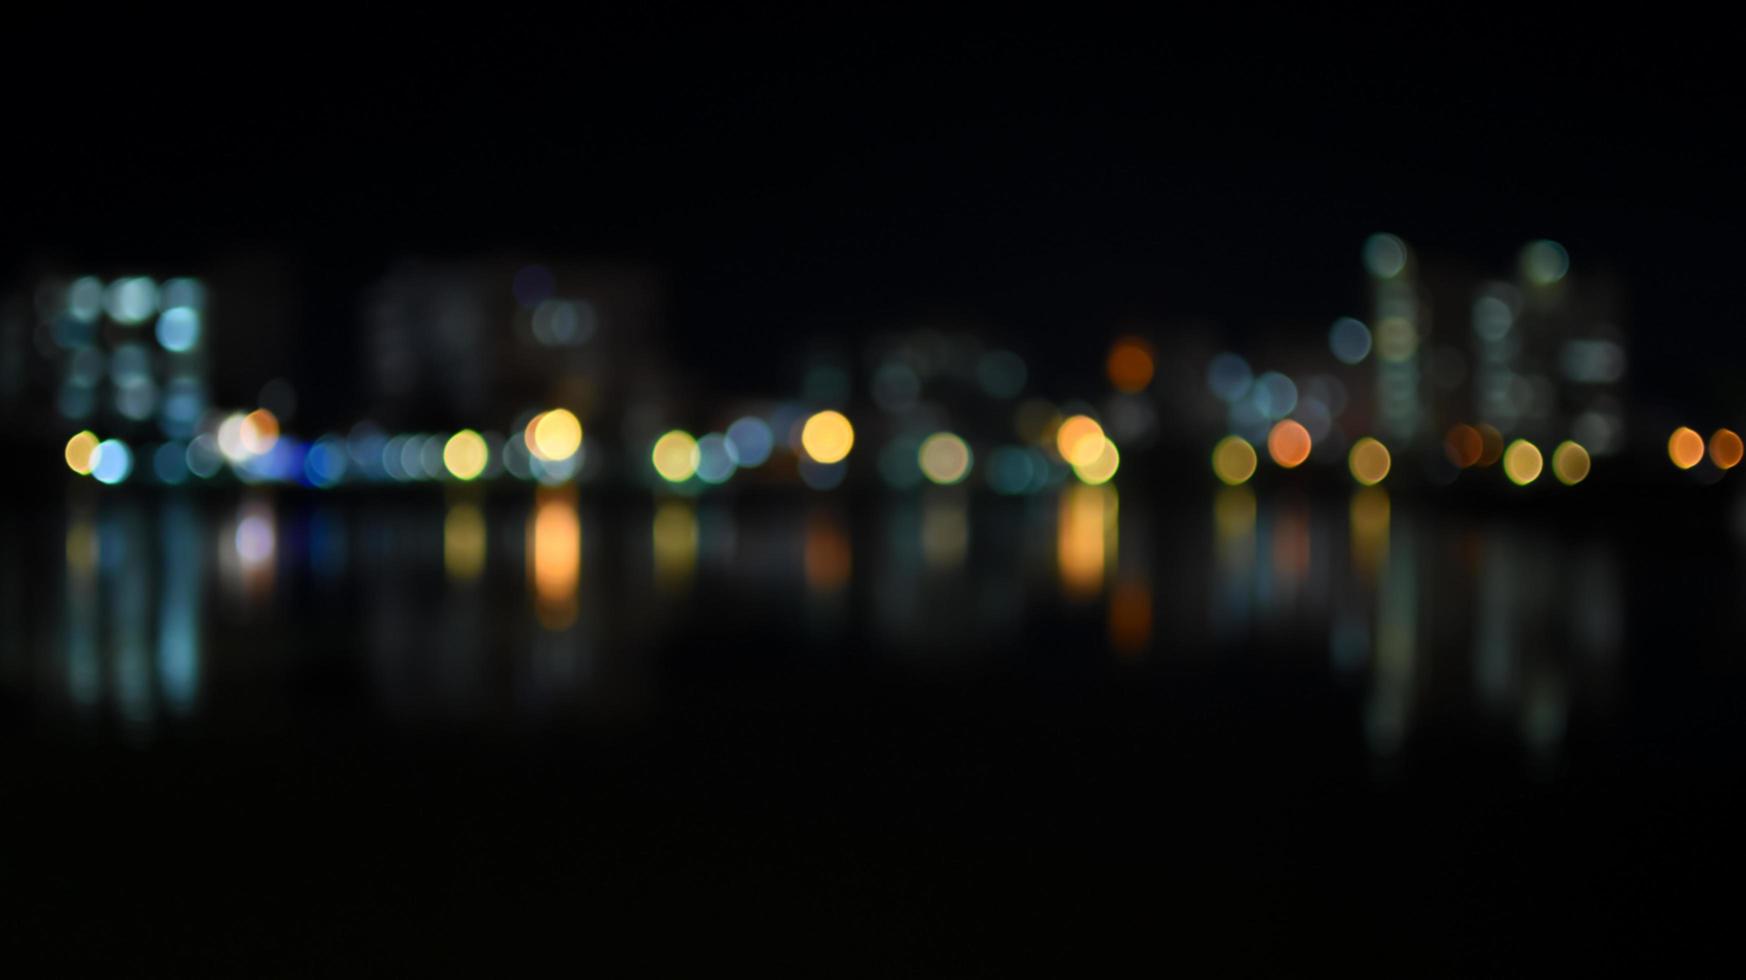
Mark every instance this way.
x=803 y=176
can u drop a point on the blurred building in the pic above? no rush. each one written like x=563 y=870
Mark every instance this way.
x=125 y=356
x=480 y=342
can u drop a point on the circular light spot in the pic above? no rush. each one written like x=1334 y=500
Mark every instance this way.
x=1490 y=444
x=1463 y=445
x=944 y=458
x=752 y=441
x=675 y=456
x=1522 y=462
x=1685 y=448
x=81 y=452
x=170 y=463
x=1275 y=395
x=1229 y=377
x=1079 y=440
x=205 y=458
x=258 y=432
x=1102 y=467
x=1385 y=256
x=179 y=329
x=465 y=454
x=1130 y=364
x=1726 y=449
x=1349 y=339
x=112 y=461
x=716 y=459
x=130 y=301
x=1288 y=443
x=827 y=437
x=1233 y=460
x=1369 y=461
x=1570 y=463
x=553 y=436
x=1545 y=262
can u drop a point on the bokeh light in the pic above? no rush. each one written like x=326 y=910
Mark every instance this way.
x=1102 y=467
x=1130 y=364
x=111 y=461
x=1079 y=440
x=555 y=435
x=1463 y=445
x=944 y=458
x=675 y=456
x=1726 y=449
x=716 y=459
x=1570 y=463
x=1233 y=460
x=258 y=432
x=827 y=437
x=1544 y=262
x=1288 y=443
x=752 y=441
x=81 y=452
x=1369 y=461
x=1349 y=340
x=1491 y=444
x=1228 y=376
x=1522 y=462
x=465 y=455
x=179 y=329
x=1685 y=447
x=1385 y=256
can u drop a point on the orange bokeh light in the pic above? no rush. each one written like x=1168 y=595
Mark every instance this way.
x=1685 y=447
x=1288 y=443
x=1464 y=445
x=1130 y=364
x=1726 y=449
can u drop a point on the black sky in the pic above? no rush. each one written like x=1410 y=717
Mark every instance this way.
x=804 y=176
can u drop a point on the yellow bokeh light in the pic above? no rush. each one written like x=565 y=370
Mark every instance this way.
x=1522 y=462
x=1079 y=440
x=465 y=454
x=1726 y=449
x=1570 y=463
x=944 y=458
x=1685 y=448
x=1369 y=461
x=675 y=456
x=1101 y=467
x=1130 y=365
x=827 y=437
x=1233 y=460
x=554 y=436
x=259 y=432
x=1288 y=443
x=81 y=453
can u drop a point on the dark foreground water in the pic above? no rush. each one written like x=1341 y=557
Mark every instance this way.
x=1256 y=730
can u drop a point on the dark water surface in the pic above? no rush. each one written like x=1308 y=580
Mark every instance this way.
x=1261 y=729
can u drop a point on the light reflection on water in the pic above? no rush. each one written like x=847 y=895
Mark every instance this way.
x=169 y=605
